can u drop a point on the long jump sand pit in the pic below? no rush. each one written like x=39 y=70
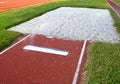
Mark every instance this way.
x=73 y=23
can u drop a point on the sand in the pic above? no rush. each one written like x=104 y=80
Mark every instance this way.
x=73 y=23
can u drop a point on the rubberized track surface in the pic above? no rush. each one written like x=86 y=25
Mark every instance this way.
x=10 y=4
x=115 y=7
x=19 y=66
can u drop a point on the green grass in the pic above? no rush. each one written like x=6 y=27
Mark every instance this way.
x=104 y=63
x=116 y=20
x=6 y=37
x=104 y=58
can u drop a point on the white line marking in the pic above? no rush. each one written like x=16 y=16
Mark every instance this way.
x=79 y=63
x=14 y=44
x=46 y=50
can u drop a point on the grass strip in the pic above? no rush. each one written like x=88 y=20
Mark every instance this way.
x=116 y=20
x=7 y=37
x=104 y=63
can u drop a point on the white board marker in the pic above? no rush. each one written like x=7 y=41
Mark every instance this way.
x=46 y=50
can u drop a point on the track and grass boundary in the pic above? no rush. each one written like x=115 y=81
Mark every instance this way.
x=115 y=7
x=103 y=75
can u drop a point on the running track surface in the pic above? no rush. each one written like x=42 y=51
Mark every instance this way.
x=10 y=4
x=115 y=7
x=19 y=66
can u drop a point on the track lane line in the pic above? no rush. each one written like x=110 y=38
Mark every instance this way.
x=79 y=63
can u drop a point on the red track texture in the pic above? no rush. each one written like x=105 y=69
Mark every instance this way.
x=115 y=7
x=10 y=4
x=19 y=66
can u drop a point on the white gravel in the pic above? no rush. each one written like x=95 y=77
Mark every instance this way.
x=73 y=23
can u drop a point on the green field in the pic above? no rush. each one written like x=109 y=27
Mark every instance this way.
x=104 y=63
x=103 y=66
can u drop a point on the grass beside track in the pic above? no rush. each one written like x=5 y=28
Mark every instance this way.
x=7 y=37
x=103 y=64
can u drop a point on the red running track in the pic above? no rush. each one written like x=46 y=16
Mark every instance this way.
x=11 y=4
x=19 y=66
x=115 y=7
